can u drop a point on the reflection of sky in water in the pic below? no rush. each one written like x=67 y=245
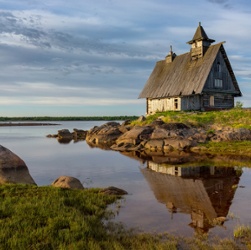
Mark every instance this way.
x=47 y=160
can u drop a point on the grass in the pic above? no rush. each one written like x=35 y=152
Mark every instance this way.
x=52 y=218
x=234 y=118
x=237 y=118
x=242 y=231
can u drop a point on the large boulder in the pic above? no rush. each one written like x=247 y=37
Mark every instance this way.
x=13 y=169
x=67 y=182
x=231 y=134
x=79 y=134
x=135 y=135
x=65 y=134
x=105 y=134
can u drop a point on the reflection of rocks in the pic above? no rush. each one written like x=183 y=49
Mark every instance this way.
x=64 y=136
x=204 y=192
x=13 y=169
x=113 y=191
x=185 y=159
x=67 y=182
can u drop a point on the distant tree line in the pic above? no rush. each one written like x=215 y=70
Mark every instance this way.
x=69 y=118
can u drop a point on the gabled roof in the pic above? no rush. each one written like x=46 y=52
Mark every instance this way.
x=183 y=76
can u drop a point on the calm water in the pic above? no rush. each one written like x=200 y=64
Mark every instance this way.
x=161 y=198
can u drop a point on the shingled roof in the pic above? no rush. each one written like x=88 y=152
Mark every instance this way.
x=183 y=76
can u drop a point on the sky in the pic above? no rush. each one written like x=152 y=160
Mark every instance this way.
x=93 y=58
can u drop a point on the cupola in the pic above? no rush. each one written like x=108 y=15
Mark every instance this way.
x=200 y=43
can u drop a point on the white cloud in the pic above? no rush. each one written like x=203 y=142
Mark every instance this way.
x=101 y=53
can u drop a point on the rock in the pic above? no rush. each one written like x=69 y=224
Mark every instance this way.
x=135 y=135
x=154 y=145
x=231 y=134
x=141 y=119
x=174 y=126
x=52 y=136
x=13 y=169
x=157 y=123
x=113 y=191
x=65 y=134
x=178 y=144
x=79 y=134
x=126 y=122
x=219 y=220
x=161 y=133
x=67 y=182
x=105 y=134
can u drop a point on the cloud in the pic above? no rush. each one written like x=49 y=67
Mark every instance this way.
x=84 y=52
x=224 y=3
x=219 y=1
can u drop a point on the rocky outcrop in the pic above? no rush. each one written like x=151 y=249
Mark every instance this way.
x=159 y=138
x=65 y=136
x=67 y=182
x=13 y=169
x=105 y=134
x=231 y=134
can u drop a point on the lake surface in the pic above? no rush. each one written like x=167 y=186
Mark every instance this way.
x=162 y=197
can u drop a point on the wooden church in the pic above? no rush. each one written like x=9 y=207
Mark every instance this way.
x=201 y=79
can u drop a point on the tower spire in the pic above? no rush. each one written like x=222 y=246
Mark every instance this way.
x=199 y=43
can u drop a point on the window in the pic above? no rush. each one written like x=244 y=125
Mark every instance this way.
x=211 y=101
x=218 y=67
x=218 y=83
x=175 y=103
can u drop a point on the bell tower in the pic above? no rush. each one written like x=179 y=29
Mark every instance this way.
x=199 y=43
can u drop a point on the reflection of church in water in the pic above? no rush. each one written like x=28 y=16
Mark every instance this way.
x=204 y=192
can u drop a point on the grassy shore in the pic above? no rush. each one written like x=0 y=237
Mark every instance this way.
x=236 y=118
x=52 y=218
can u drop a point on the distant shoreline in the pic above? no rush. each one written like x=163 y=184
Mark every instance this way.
x=48 y=119
x=17 y=124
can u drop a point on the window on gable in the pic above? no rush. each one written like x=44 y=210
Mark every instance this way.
x=218 y=67
x=218 y=83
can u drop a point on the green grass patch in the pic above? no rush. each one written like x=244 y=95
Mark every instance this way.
x=52 y=218
x=242 y=232
x=239 y=118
